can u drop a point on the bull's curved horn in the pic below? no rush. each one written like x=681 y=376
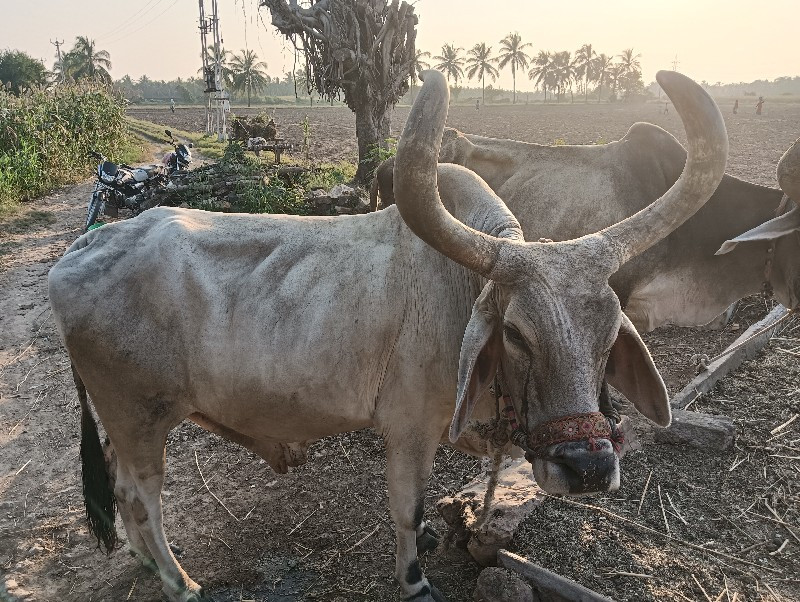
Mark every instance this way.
x=705 y=166
x=789 y=172
x=416 y=189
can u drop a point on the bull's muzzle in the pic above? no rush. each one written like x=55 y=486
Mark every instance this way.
x=576 y=454
x=577 y=467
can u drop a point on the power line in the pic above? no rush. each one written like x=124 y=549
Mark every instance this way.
x=153 y=20
x=129 y=21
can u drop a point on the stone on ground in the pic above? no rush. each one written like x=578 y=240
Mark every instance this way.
x=500 y=585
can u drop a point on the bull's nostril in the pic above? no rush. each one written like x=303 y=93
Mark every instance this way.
x=586 y=471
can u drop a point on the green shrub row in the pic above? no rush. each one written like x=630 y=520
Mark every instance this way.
x=46 y=136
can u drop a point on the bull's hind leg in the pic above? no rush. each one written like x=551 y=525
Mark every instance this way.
x=125 y=492
x=409 y=461
x=140 y=478
x=136 y=544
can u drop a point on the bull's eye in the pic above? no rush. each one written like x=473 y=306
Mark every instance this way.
x=514 y=337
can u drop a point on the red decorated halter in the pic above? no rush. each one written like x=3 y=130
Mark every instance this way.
x=577 y=427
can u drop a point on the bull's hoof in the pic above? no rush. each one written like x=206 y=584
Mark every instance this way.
x=191 y=593
x=428 y=593
x=428 y=541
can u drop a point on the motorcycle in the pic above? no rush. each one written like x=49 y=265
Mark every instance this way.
x=177 y=162
x=125 y=187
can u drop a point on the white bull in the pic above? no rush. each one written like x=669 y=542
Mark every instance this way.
x=278 y=329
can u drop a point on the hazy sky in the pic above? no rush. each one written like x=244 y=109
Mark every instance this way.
x=714 y=40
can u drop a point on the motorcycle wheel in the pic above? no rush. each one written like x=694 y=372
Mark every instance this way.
x=96 y=206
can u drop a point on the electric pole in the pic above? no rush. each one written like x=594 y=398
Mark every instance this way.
x=675 y=63
x=216 y=97
x=57 y=44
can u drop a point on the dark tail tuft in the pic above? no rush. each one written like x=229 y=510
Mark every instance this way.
x=98 y=495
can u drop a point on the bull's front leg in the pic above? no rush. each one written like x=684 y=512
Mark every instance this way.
x=409 y=459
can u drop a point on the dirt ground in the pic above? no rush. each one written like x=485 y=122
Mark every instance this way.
x=323 y=532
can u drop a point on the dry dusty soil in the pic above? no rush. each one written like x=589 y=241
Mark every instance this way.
x=729 y=527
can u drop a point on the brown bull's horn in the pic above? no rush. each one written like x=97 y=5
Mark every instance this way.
x=705 y=166
x=416 y=189
x=789 y=172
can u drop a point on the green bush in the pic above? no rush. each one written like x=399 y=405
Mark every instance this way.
x=46 y=135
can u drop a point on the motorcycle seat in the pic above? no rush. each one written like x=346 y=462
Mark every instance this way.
x=145 y=173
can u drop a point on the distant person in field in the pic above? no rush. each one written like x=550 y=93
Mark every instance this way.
x=736 y=107
x=477 y=105
x=666 y=108
x=172 y=104
x=271 y=130
x=759 y=105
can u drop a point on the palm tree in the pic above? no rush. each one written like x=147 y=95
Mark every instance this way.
x=630 y=70
x=85 y=61
x=615 y=74
x=563 y=72
x=479 y=64
x=584 y=67
x=248 y=73
x=512 y=52
x=602 y=71
x=418 y=63
x=630 y=61
x=452 y=63
x=542 y=71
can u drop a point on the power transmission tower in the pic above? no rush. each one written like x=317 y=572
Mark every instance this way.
x=217 y=99
x=57 y=44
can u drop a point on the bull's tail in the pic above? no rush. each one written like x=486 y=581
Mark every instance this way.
x=98 y=494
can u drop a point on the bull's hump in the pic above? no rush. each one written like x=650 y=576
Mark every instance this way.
x=650 y=138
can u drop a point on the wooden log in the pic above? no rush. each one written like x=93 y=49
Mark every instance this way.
x=698 y=430
x=706 y=380
x=549 y=586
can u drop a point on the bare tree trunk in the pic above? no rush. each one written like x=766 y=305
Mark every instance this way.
x=514 y=76
x=372 y=130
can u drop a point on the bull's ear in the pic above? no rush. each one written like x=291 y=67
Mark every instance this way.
x=480 y=355
x=774 y=228
x=631 y=371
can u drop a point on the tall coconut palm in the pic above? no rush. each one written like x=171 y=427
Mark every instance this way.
x=630 y=61
x=563 y=72
x=85 y=61
x=512 y=52
x=630 y=70
x=418 y=63
x=542 y=71
x=602 y=72
x=451 y=62
x=479 y=64
x=615 y=74
x=584 y=67
x=248 y=73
